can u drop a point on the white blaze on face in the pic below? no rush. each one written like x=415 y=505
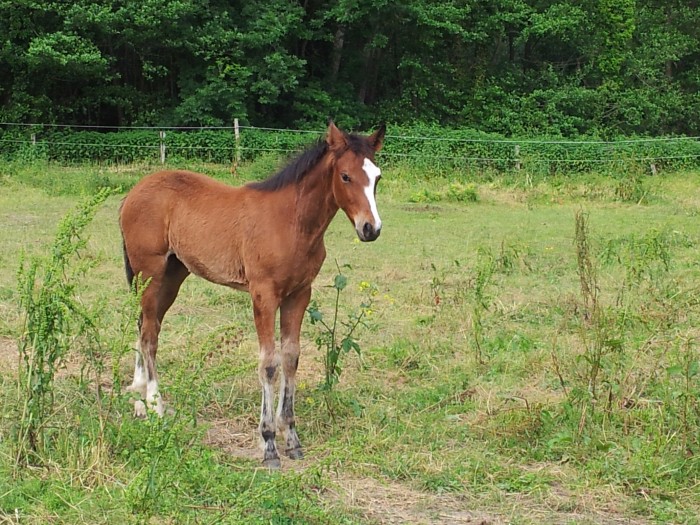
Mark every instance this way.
x=373 y=173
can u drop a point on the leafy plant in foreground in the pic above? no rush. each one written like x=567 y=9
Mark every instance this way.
x=47 y=296
x=337 y=337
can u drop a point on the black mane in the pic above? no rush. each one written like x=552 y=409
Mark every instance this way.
x=297 y=169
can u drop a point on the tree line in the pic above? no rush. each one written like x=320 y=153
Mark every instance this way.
x=514 y=67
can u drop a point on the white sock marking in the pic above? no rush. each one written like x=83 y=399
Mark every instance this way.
x=140 y=379
x=153 y=398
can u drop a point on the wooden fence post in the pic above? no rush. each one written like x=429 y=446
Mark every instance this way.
x=236 y=146
x=162 y=146
x=518 y=166
x=237 y=134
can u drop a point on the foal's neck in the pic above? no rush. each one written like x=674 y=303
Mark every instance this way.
x=315 y=202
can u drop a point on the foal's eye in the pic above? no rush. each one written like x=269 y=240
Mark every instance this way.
x=345 y=177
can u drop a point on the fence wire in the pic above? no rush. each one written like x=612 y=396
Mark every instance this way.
x=640 y=140
x=15 y=135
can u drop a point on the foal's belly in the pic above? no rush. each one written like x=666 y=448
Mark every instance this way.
x=219 y=271
x=285 y=269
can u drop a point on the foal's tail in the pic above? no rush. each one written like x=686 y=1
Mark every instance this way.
x=127 y=265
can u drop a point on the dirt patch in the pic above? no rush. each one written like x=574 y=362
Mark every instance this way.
x=239 y=438
x=379 y=502
x=234 y=437
x=9 y=356
x=389 y=503
x=70 y=366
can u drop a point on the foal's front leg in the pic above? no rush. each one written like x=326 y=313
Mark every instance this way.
x=291 y=316
x=264 y=310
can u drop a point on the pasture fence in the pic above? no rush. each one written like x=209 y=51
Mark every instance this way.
x=429 y=147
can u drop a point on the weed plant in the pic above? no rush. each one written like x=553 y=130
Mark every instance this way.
x=53 y=317
x=480 y=301
x=336 y=337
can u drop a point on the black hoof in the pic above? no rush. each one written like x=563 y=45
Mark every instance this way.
x=272 y=463
x=294 y=453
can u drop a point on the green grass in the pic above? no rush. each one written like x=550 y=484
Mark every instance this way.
x=424 y=419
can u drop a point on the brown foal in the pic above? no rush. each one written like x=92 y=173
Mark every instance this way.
x=265 y=238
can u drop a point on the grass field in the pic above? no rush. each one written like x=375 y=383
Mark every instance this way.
x=530 y=356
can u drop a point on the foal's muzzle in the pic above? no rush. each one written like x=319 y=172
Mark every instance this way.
x=368 y=232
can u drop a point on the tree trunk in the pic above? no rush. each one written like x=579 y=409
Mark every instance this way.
x=337 y=52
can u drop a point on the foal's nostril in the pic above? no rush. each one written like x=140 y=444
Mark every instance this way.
x=369 y=233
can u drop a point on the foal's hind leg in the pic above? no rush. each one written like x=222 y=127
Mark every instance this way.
x=291 y=316
x=155 y=302
x=138 y=385
x=149 y=330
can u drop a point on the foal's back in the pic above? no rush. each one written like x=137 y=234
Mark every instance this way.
x=161 y=191
x=190 y=216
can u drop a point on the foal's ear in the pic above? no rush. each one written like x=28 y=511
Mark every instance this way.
x=335 y=138
x=376 y=139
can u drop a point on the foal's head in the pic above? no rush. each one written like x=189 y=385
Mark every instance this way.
x=355 y=178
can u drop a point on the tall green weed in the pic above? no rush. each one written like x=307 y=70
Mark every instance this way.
x=53 y=317
x=336 y=334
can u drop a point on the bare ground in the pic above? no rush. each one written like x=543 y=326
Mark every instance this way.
x=387 y=502
x=8 y=355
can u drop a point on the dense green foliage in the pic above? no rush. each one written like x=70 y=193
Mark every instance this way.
x=562 y=67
